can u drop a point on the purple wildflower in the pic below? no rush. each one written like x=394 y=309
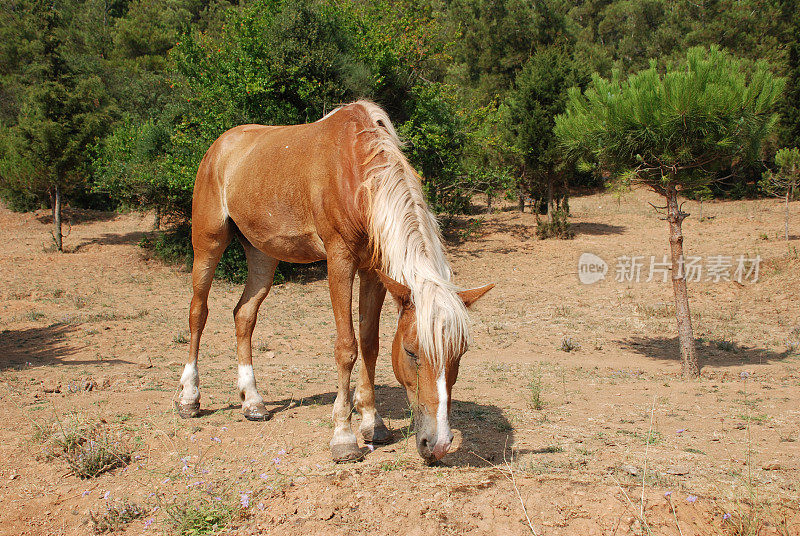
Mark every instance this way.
x=245 y=500
x=218 y=440
x=726 y=517
x=165 y=481
x=148 y=522
x=276 y=461
x=224 y=428
x=370 y=447
x=682 y=430
x=691 y=499
x=667 y=494
x=264 y=476
x=744 y=375
x=107 y=495
x=261 y=506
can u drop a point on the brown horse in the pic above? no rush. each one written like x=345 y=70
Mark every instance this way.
x=338 y=189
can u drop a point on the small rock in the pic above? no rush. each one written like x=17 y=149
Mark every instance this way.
x=772 y=466
x=271 y=355
x=630 y=469
x=326 y=513
x=678 y=470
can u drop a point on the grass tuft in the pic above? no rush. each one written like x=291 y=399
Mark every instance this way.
x=569 y=345
x=89 y=449
x=115 y=517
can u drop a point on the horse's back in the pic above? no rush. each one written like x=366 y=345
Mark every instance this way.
x=287 y=188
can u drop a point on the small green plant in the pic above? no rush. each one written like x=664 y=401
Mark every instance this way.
x=472 y=229
x=694 y=450
x=180 y=338
x=661 y=310
x=194 y=518
x=115 y=517
x=33 y=316
x=535 y=395
x=89 y=449
x=726 y=345
x=558 y=228
x=569 y=345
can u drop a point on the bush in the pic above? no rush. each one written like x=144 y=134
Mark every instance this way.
x=18 y=200
x=175 y=247
x=558 y=228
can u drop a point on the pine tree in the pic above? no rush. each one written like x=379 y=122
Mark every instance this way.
x=669 y=131
x=62 y=113
x=784 y=182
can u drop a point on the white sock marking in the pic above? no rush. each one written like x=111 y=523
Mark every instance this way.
x=190 y=380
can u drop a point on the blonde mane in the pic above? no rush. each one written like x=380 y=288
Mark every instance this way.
x=407 y=244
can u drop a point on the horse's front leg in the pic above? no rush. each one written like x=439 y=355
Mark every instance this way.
x=370 y=300
x=341 y=272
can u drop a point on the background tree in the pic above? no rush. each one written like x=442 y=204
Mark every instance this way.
x=539 y=94
x=669 y=130
x=60 y=115
x=785 y=181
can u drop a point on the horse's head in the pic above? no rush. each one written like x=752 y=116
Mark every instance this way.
x=428 y=383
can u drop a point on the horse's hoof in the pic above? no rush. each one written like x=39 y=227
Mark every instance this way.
x=256 y=412
x=378 y=435
x=347 y=453
x=188 y=411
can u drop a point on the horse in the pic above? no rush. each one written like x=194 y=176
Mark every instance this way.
x=339 y=189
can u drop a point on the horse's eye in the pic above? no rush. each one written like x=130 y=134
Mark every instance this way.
x=411 y=354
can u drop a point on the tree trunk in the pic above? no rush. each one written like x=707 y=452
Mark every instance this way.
x=550 y=204
x=689 y=367
x=786 y=215
x=157 y=219
x=57 y=219
x=701 y=209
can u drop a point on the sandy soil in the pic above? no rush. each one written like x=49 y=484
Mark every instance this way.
x=620 y=445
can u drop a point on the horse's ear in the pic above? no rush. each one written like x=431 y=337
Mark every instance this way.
x=470 y=296
x=400 y=292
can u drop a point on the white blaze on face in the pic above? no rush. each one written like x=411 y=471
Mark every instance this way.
x=442 y=424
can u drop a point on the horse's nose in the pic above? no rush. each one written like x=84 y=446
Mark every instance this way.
x=425 y=445
x=442 y=446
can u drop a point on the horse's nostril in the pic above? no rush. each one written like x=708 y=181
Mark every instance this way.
x=423 y=443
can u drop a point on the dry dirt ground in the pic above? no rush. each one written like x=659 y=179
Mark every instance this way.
x=618 y=443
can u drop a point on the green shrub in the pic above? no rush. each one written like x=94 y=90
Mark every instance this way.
x=558 y=228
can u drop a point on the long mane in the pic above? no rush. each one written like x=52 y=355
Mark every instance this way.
x=406 y=242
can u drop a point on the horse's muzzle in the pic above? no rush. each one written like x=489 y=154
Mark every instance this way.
x=431 y=445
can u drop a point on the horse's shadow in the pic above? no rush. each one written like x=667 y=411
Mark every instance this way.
x=486 y=434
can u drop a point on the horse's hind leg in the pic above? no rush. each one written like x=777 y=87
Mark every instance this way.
x=370 y=300
x=260 y=273
x=209 y=242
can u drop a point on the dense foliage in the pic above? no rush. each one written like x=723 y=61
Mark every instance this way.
x=117 y=100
